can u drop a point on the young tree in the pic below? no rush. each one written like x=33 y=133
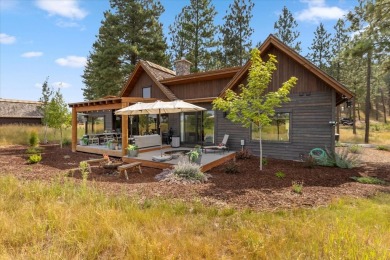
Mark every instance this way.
x=253 y=104
x=236 y=32
x=320 y=47
x=131 y=31
x=58 y=115
x=196 y=30
x=286 y=30
x=47 y=92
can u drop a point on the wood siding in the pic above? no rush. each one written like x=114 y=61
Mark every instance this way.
x=145 y=81
x=201 y=89
x=20 y=120
x=310 y=128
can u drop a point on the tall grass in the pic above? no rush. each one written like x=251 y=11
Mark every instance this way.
x=379 y=137
x=19 y=134
x=66 y=221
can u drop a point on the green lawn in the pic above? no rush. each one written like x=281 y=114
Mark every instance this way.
x=66 y=221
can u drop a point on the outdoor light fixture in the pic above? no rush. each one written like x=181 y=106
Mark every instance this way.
x=242 y=144
x=333 y=123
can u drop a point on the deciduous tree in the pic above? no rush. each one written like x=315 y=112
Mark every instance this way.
x=253 y=104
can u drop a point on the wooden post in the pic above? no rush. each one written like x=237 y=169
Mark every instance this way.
x=74 y=129
x=125 y=131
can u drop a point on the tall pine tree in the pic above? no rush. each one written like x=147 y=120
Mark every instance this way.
x=371 y=20
x=320 y=48
x=286 y=30
x=195 y=29
x=131 y=31
x=236 y=33
x=103 y=74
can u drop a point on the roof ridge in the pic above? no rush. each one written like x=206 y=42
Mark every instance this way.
x=159 y=67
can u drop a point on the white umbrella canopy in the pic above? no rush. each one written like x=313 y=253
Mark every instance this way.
x=159 y=107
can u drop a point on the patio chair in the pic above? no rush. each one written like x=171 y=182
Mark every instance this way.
x=221 y=147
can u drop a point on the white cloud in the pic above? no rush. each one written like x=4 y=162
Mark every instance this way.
x=7 y=39
x=38 y=85
x=32 y=54
x=72 y=61
x=318 y=10
x=65 y=8
x=61 y=84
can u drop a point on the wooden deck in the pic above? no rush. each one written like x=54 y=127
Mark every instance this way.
x=209 y=160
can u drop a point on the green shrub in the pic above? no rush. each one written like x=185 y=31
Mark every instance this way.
x=297 y=187
x=309 y=162
x=280 y=174
x=33 y=139
x=34 y=158
x=231 y=167
x=265 y=161
x=66 y=142
x=382 y=148
x=189 y=171
x=355 y=148
x=369 y=180
x=84 y=169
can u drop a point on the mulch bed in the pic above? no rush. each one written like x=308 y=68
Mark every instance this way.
x=250 y=187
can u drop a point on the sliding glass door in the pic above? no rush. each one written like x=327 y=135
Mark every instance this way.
x=191 y=130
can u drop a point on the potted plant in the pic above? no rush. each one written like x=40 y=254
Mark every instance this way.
x=195 y=155
x=132 y=150
x=114 y=145
x=84 y=141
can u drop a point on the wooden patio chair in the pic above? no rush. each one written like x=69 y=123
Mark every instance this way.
x=221 y=147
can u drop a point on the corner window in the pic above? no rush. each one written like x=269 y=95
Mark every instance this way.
x=277 y=131
x=147 y=92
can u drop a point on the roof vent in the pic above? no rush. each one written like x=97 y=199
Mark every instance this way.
x=182 y=67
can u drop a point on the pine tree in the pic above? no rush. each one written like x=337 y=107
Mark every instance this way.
x=131 y=31
x=321 y=48
x=103 y=74
x=371 y=20
x=286 y=31
x=195 y=30
x=236 y=32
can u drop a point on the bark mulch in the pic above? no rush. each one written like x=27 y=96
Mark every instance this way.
x=249 y=188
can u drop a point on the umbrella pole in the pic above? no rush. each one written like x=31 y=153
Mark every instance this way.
x=159 y=126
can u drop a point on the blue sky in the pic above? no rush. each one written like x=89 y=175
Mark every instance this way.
x=40 y=38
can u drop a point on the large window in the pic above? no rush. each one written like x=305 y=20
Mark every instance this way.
x=147 y=92
x=278 y=130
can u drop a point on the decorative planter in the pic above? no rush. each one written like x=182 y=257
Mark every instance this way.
x=132 y=153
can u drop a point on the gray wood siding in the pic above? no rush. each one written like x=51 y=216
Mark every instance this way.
x=310 y=128
x=201 y=89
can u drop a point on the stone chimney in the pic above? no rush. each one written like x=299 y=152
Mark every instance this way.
x=182 y=67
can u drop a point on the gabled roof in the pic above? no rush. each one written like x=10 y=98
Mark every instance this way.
x=155 y=72
x=20 y=108
x=272 y=41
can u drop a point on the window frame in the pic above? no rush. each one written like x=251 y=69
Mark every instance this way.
x=285 y=111
x=150 y=91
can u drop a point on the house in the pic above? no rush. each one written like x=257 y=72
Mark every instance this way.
x=19 y=112
x=306 y=122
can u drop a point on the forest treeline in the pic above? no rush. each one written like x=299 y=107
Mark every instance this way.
x=355 y=52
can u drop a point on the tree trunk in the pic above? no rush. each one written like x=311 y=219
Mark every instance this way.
x=261 y=150
x=376 y=108
x=358 y=110
x=384 y=106
x=338 y=112
x=61 y=137
x=354 y=116
x=368 y=98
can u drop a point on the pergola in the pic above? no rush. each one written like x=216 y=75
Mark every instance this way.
x=109 y=103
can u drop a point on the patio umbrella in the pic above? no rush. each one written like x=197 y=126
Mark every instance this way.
x=159 y=107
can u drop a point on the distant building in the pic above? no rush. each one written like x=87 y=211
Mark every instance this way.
x=20 y=112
